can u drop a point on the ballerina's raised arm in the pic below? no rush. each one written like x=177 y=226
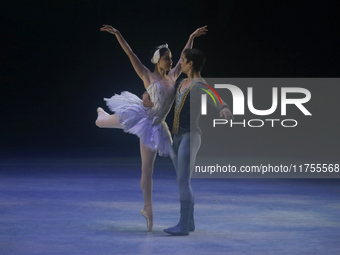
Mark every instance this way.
x=176 y=71
x=143 y=72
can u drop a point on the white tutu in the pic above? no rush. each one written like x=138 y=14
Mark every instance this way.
x=147 y=123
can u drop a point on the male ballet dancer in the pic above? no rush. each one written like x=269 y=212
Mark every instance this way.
x=187 y=136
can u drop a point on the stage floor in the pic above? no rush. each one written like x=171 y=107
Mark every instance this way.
x=75 y=205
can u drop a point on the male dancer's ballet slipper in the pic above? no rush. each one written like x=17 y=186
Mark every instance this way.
x=149 y=218
x=182 y=228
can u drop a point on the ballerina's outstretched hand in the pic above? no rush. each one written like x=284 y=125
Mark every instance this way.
x=176 y=71
x=143 y=72
x=199 y=31
x=109 y=29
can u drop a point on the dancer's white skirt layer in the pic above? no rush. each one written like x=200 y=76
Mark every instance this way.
x=136 y=119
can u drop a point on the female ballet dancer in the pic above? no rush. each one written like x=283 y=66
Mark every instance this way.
x=147 y=123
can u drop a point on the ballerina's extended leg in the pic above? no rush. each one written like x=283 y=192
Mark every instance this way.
x=105 y=120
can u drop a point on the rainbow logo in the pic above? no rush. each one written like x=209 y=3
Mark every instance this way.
x=212 y=89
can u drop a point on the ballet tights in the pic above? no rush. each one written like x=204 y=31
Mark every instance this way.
x=105 y=120
x=148 y=159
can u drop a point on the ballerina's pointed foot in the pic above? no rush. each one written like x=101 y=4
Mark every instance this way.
x=101 y=116
x=148 y=214
x=101 y=111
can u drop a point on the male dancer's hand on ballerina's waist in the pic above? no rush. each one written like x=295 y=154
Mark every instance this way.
x=146 y=100
x=225 y=112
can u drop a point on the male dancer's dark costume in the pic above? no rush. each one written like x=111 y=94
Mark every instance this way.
x=186 y=143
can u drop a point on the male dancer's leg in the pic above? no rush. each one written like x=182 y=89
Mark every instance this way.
x=185 y=156
x=175 y=146
x=185 y=163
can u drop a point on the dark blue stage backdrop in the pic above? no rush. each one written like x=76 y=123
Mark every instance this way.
x=56 y=66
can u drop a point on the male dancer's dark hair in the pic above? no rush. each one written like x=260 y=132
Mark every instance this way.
x=197 y=57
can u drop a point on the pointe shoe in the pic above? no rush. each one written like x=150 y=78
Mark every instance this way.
x=101 y=115
x=149 y=219
x=101 y=111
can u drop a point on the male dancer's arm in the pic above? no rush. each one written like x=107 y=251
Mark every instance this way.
x=224 y=108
